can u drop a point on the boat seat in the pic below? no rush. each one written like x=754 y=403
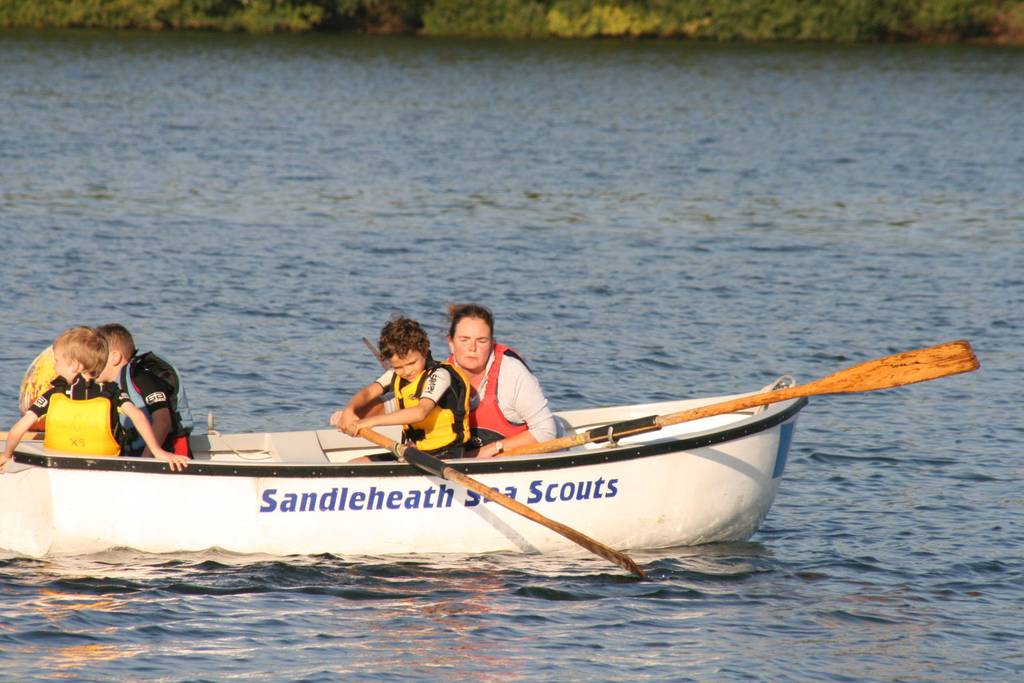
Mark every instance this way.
x=340 y=447
x=218 y=447
x=301 y=447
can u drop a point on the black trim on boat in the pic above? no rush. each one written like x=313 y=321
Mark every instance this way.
x=394 y=469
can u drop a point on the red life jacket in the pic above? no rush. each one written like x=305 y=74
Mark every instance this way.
x=486 y=421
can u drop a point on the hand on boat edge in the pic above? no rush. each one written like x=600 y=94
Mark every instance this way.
x=176 y=462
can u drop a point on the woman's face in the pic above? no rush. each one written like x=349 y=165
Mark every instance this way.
x=471 y=345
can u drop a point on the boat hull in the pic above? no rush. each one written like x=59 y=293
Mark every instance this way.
x=648 y=492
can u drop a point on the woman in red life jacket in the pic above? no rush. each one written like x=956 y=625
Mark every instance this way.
x=508 y=409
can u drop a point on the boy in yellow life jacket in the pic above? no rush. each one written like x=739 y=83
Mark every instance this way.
x=82 y=414
x=430 y=398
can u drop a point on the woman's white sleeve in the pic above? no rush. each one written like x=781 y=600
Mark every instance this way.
x=522 y=400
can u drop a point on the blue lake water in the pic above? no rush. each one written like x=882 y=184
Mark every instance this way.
x=648 y=221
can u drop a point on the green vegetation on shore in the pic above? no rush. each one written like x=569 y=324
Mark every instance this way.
x=713 y=20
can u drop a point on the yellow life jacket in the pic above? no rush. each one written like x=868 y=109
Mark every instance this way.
x=81 y=427
x=448 y=423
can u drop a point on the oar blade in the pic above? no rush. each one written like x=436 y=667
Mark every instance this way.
x=899 y=369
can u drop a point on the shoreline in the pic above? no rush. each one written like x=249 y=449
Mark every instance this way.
x=983 y=22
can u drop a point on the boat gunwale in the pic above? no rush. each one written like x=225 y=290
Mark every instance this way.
x=526 y=463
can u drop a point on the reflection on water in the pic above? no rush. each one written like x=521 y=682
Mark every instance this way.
x=67 y=662
x=57 y=606
x=454 y=620
x=61 y=619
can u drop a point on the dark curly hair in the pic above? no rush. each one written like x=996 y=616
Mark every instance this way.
x=401 y=336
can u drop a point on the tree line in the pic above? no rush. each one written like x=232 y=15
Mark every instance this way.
x=709 y=20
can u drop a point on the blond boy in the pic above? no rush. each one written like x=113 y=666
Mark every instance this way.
x=82 y=414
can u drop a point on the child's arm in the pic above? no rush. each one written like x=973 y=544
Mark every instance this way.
x=14 y=436
x=405 y=416
x=435 y=388
x=161 y=424
x=365 y=402
x=141 y=423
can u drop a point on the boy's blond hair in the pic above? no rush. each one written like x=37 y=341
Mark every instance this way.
x=85 y=345
x=118 y=338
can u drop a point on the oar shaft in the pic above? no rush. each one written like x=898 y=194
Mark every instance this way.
x=376 y=354
x=573 y=535
x=437 y=467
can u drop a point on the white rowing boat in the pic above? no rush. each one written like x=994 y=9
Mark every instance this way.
x=285 y=493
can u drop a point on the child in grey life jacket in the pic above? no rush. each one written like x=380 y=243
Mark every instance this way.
x=154 y=386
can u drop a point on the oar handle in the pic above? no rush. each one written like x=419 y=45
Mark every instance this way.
x=434 y=466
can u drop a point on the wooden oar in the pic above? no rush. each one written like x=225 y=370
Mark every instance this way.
x=882 y=373
x=431 y=465
x=376 y=354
